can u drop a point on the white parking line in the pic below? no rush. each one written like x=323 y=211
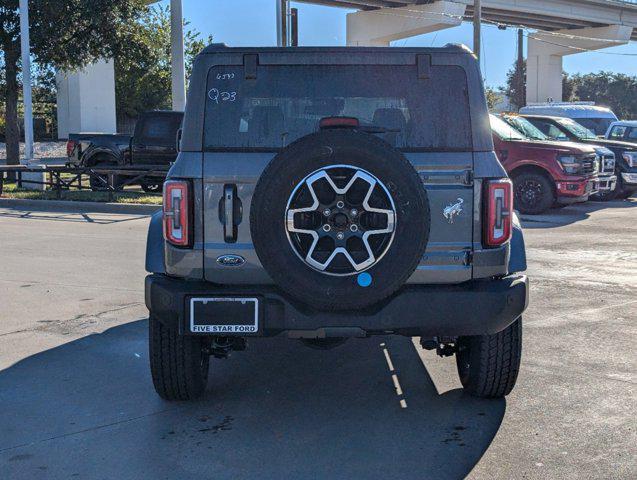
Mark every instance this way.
x=394 y=376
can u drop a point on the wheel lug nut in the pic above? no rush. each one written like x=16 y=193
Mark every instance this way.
x=326 y=227
x=353 y=227
x=340 y=204
x=327 y=212
x=340 y=235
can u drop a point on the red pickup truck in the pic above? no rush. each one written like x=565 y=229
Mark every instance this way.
x=545 y=173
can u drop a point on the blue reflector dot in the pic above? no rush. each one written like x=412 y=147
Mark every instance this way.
x=364 y=279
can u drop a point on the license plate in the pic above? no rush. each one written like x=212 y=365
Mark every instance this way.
x=224 y=315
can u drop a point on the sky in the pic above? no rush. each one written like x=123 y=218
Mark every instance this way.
x=252 y=23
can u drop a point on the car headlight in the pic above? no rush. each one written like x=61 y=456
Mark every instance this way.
x=569 y=163
x=606 y=159
x=631 y=158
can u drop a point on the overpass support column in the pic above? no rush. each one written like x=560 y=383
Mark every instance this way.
x=546 y=51
x=376 y=28
x=86 y=99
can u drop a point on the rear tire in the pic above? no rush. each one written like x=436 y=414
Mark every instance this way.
x=179 y=364
x=488 y=365
x=533 y=193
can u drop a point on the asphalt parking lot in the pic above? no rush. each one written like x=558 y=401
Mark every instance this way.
x=76 y=400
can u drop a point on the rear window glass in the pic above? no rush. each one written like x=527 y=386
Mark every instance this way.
x=287 y=102
x=161 y=127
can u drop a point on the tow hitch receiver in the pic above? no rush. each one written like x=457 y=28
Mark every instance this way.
x=445 y=346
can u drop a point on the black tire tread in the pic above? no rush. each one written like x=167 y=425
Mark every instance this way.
x=547 y=201
x=498 y=362
x=175 y=363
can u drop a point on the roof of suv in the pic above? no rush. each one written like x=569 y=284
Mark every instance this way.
x=448 y=48
x=570 y=110
x=624 y=123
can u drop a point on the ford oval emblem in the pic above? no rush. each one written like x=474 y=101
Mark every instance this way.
x=231 y=260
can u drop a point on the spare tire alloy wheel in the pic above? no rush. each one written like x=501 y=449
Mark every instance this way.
x=339 y=219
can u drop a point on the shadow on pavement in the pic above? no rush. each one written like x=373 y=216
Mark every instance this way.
x=279 y=410
x=559 y=217
x=59 y=215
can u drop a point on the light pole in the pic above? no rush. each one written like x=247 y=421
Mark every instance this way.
x=178 y=69
x=477 y=26
x=26 y=80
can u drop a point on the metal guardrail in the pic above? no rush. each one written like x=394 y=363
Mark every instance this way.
x=111 y=180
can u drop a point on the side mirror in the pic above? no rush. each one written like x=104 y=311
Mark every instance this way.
x=178 y=139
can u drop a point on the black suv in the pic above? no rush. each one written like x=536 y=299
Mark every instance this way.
x=329 y=193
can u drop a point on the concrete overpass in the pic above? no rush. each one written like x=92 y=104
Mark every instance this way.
x=86 y=100
x=564 y=27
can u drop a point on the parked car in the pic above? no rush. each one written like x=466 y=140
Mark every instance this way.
x=342 y=210
x=559 y=128
x=596 y=118
x=544 y=173
x=623 y=131
x=606 y=157
x=153 y=144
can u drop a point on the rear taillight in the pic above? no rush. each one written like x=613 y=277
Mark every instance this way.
x=177 y=222
x=499 y=212
x=70 y=146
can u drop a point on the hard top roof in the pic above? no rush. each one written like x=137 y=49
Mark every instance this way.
x=570 y=110
x=449 y=48
x=625 y=123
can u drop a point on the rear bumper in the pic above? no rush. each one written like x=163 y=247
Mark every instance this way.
x=471 y=308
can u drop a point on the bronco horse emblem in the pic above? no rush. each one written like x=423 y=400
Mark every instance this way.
x=453 y=210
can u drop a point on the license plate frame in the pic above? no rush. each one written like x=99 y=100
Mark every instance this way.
x=204 y=310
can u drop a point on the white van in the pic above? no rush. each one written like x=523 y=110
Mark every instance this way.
x=595 y=118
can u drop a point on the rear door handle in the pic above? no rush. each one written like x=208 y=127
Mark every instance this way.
x=229 y=229
x=230 y=213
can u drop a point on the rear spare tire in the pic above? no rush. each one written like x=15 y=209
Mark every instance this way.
x=339 y=219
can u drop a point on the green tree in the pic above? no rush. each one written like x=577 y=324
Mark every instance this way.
x=569 y=88
x=142 y=71
x=515 y=87
x=615 y=90
x=492 y=97
x=64 y=34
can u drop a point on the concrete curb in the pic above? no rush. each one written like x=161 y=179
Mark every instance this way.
x=98 y=207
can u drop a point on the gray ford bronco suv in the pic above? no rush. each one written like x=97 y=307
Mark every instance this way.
x=329 y=193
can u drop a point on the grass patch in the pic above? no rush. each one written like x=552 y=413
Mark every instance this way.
x=10 y=190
